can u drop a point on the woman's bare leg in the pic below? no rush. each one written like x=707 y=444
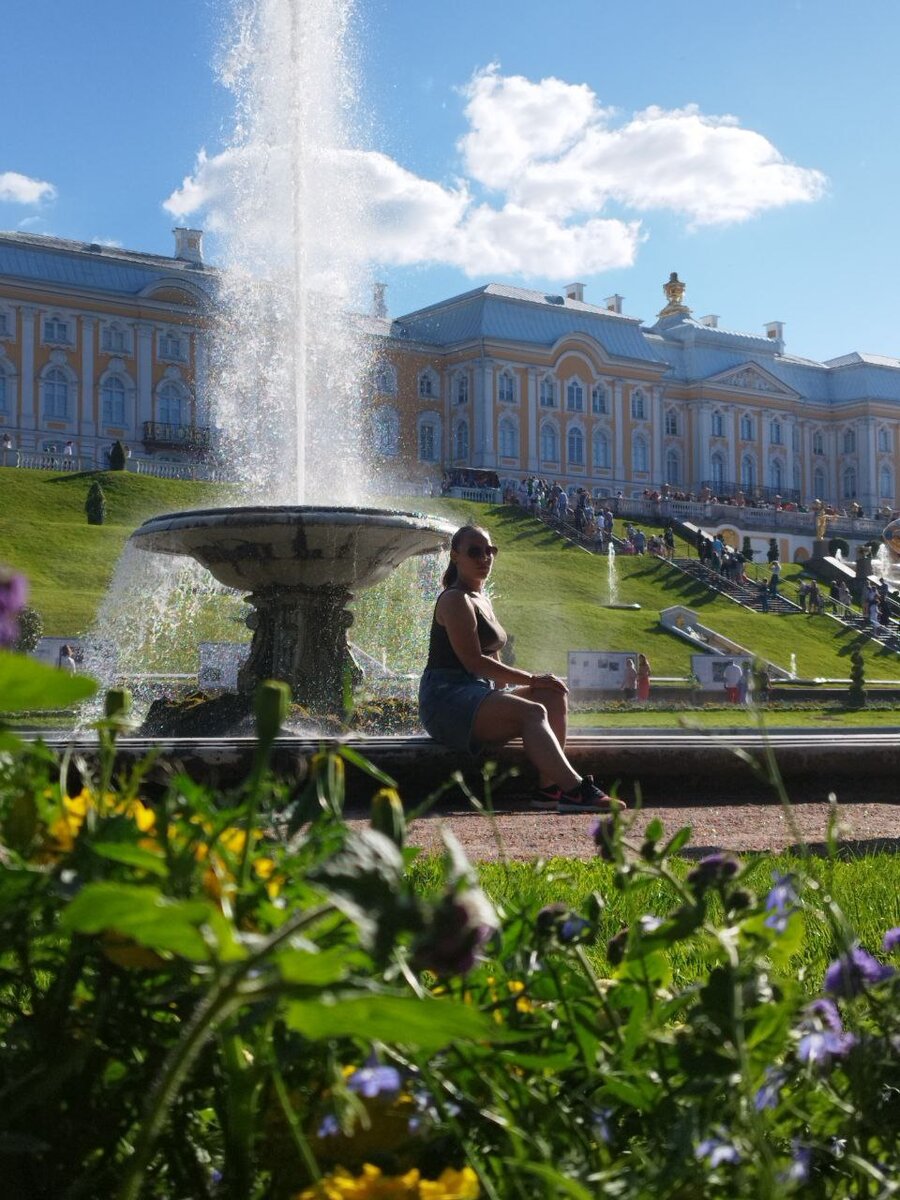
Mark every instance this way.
x=557 y=705
x=503 y=716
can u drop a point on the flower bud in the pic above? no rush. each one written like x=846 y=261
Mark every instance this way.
x=117 y=703
x=271 y=704
x=388 y=816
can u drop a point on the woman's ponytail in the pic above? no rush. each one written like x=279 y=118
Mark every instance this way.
x=450 y=576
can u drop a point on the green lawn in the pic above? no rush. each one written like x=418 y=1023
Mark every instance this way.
x=736 y=717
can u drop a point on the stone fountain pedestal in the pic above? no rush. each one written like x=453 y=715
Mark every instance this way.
x=300 y=567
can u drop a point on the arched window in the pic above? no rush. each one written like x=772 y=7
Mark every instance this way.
x=639 y=458
x=575 y=446
x=672 y=426
x=462 y=389
x=884 y=440
x=112 y=401
x=716 y=425
x=549 y=443
x=746 y=428
x=638 y=407
x=385 y=379
x=602 y=457
x=717 y=468
x=849 y=441
x=427 y=385
x=848 y=481
x=775 y=433
x=56 y=394
x=819 y=482
x=461 y=440
x=115 y=340
x=776 y=474
x=509 y=438
x=673 y=467
x=599 y=400
x=818 y=442
x=3 y=390
x=386 y=431
x=548 y=393
x=886 y=483
x=171 y=406
x=748 y=472
x=575 y=396
x=506 y=388
x=429 y=437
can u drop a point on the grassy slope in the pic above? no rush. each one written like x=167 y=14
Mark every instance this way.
x=548 y=593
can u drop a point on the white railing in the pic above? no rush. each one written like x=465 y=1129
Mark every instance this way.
x=172 y=470
x=481 y=495
x=38 y=460
x=745 y=517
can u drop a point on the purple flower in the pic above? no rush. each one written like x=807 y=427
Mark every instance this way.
x=716 y=1152
x=851 y=973
x=781 y=902
x=328 y=1126
x=892 y=940
x=713 y=868
x=769 y=1092
x=819 y=1047
x=824 y=1014
x=600 y=1124
x=462 y=924
x=13 y=594
x=801 y=1161
x=603 y=834
x=556 y=920
x=372 y=1081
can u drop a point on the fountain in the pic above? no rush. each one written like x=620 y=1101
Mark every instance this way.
x=291 y=363
x=612 y=586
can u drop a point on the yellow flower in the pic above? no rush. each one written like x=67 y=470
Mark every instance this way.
x=452 y=1185
x=373 y=1185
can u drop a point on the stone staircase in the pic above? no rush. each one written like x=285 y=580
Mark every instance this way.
x=747 y=595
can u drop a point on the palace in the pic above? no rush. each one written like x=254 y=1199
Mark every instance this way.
x=520 y=382
x=99 y=344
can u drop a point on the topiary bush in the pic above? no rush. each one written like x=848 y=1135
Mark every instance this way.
x=117 y=457
x=95 y=504
x=31 y=630
x=857 y=693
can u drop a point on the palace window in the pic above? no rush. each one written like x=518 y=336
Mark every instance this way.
x=462 y=389
x=886 y=483
x=716 y=424
x=548 y=394
x=427 y=385
x=575 y=445
x=599 y=400
x=461 y=440
x=776 y=475
x=849 y=441
x=385 y=379
x=748 y=472
x=549 y=443
x=115 y=340
x=428 y=441
x=112 y=401
x=638 y=407
x=819 y=482
x=717 y=468
x=848 y=481
x=506 y=388
x=775 y=433
x=673 y=467
x=639 y=457
x=55 y=386
x=56 y=330
x=671 y=424
x=509 y=438
x=386 y=431
x=602 y=456
x=746 y=428
x=171 y=404
x=884 y=440
x=575 y=396
x=818 y=442
x=172 y=347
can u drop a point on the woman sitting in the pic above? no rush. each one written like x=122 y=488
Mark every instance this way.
x=469 y=699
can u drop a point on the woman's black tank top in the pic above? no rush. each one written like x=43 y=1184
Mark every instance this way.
x=441 y=655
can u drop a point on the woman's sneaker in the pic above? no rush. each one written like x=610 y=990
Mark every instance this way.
x=587 y=797
x=546 y=799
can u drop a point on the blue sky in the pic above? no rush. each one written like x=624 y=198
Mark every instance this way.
x=508 y=143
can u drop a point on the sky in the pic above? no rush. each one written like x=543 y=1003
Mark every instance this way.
x=750 y=147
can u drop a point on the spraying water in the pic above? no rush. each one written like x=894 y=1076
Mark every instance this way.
x=612 y=576
x=793 y=665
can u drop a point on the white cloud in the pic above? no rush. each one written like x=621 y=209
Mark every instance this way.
x=542 y=162
x=22 y=189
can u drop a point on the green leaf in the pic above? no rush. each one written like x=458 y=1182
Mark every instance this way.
x=27 y=685
x=627 y=1091
x=654 y=830
x=145 y=915
x=401 y=1020
x=358 y=760
x=652 y=968
x=305 y=967
x=677 y=840
x=132 y=856
x=562 y=1183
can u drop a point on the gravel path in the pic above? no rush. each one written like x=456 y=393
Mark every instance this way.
x=527 y=835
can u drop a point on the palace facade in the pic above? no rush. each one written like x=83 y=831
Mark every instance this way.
x=520 y=382
x=99 y=344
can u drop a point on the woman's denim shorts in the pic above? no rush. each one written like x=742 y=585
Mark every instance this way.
x=448 y=701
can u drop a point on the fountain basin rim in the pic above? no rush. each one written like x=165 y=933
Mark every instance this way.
x=295 y=514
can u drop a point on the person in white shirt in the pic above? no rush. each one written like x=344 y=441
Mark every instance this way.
x=732 y=680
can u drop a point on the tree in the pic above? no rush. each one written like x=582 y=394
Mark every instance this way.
x=95 y=504
x=31 y=630
x=857 y=693
x=117 y=457
x=747 y=549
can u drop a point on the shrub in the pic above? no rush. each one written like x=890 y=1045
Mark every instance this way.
x=95 y=504
x=856 y=696
x=837 y=543
x=747 y=550
x=117 y=457
x=31 y=630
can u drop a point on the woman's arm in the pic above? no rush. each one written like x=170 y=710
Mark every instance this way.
x=457 y=614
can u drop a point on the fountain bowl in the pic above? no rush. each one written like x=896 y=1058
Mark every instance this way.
x=299 y=566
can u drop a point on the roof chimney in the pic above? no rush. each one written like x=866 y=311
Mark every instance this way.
x=710 y=321
x=575 y=291
x=775 y=330
x=614 y=303
x=379 y=306
x=189 y=245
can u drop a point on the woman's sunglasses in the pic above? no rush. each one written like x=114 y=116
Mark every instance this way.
x=482 y=551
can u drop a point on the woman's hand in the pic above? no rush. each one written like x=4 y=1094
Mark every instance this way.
x=553 y=682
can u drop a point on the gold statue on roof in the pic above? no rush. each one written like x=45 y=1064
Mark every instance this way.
x=674 y=293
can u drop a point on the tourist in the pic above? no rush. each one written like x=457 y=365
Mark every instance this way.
x=469 y=699
x=7 y=442
x=69 y=449
x=629 y=680
x=732 y=680
x=844 y=596
x=834 y=595
x=643 y=678
x=66 y=660
x=745 y=687
x=669 y=540
x=815 y=599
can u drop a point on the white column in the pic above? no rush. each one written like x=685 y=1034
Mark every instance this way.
x=28 y=417
x=144 y=376
x=618 y=407
x=867 y=486
x=532 y=419
x=657 y=429
x=88 y=426
x=484 y=455
x=201 y=399
x=699 y=453
x=732 y=469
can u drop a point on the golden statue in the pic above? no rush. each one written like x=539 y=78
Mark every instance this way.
x=821 y=520
x=674 y=292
